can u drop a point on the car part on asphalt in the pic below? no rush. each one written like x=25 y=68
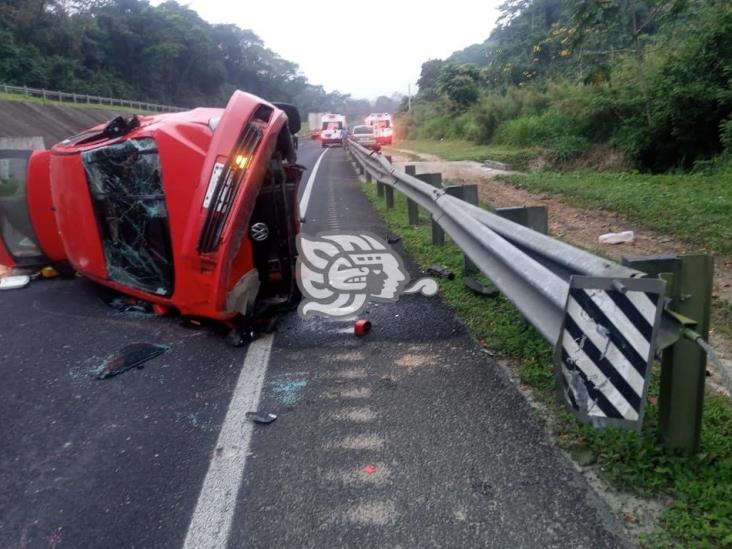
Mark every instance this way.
x=129 y=357
x=362 y=327
x=261 y=417
x=442 y=271
x=239 y=336
x=14 y=282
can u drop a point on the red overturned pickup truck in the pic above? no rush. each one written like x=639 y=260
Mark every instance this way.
x=195 y=211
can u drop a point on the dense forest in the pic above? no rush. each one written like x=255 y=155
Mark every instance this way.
x=649 y=79
x=167 y=54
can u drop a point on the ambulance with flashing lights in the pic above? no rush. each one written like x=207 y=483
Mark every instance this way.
x=332 y=129
x=383 y=127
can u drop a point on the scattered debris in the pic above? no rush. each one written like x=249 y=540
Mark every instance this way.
x=369 y=469
x=238 y=337
x=287 y=388
x=159 y=309
x=478 y=288
x=13 y=282
x=192 y=324
x=49 y=272
x=124 y=304
x=441 y=270
x=261 y=417
x=361 y=327
x=616 y=238
x=392 y=239
x=130 y=356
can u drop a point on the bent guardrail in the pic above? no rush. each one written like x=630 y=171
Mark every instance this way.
x=606 y=321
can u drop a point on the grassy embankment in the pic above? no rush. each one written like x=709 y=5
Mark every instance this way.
x=700 y=486
x=697 y=208
x=48 y=101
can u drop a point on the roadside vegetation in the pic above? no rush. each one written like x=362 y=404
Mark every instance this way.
x=699 y=488
x=161 y=52
x=650 y=80
x=696 y=207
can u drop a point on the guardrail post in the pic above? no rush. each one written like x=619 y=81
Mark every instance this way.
x=389 y=192
x=379 y=185
x=434 y=179
x=412 y=209
x=25 y=90
x=533 y=217
x=368 y=176
x=683 y=364
x=470 y=195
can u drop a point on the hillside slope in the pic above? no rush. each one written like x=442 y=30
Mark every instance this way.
x=52 y=122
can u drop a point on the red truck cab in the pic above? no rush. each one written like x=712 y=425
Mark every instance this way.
x=195 y=211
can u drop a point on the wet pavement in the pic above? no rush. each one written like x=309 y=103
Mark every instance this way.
x=408 y=437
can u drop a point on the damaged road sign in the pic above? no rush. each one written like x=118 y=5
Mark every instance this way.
x=606 y=347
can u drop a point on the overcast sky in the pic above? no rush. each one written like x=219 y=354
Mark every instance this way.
x=362 y=48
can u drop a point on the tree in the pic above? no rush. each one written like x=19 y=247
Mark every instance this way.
x=459 y=83
x=427 y=82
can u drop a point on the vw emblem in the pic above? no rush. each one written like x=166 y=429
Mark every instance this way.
x=259 y=231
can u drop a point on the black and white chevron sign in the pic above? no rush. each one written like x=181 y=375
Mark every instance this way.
x=605 y=350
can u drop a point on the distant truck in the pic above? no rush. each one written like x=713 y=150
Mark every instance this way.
x=383 y=127
x=314 y=120
x=332 y=129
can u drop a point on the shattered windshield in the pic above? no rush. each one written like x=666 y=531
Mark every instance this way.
x=126 y=186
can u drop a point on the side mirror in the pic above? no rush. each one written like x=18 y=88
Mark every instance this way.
x=293 y=116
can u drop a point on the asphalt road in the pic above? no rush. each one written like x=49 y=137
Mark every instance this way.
x=409 y=437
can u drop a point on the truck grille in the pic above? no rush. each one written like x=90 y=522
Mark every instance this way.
x=227 y=185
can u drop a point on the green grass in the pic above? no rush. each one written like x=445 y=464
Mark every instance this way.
x=41 y=101
x=700 y=487
x=694 y=207
x=465 y=150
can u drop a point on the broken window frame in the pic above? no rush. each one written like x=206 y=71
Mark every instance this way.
x=140 y=257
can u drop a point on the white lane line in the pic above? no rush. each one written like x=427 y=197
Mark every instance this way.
x=305 y=200
x=211 y=522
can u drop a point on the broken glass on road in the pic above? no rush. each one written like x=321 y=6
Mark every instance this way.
x=131 y=356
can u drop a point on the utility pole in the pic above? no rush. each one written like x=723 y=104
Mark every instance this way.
x=409 y=97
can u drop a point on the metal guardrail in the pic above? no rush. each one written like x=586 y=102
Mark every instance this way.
x=79 y=98
x=581 y=304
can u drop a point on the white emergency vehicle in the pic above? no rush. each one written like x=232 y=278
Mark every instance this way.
x=383 y=127
x=332 y=129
